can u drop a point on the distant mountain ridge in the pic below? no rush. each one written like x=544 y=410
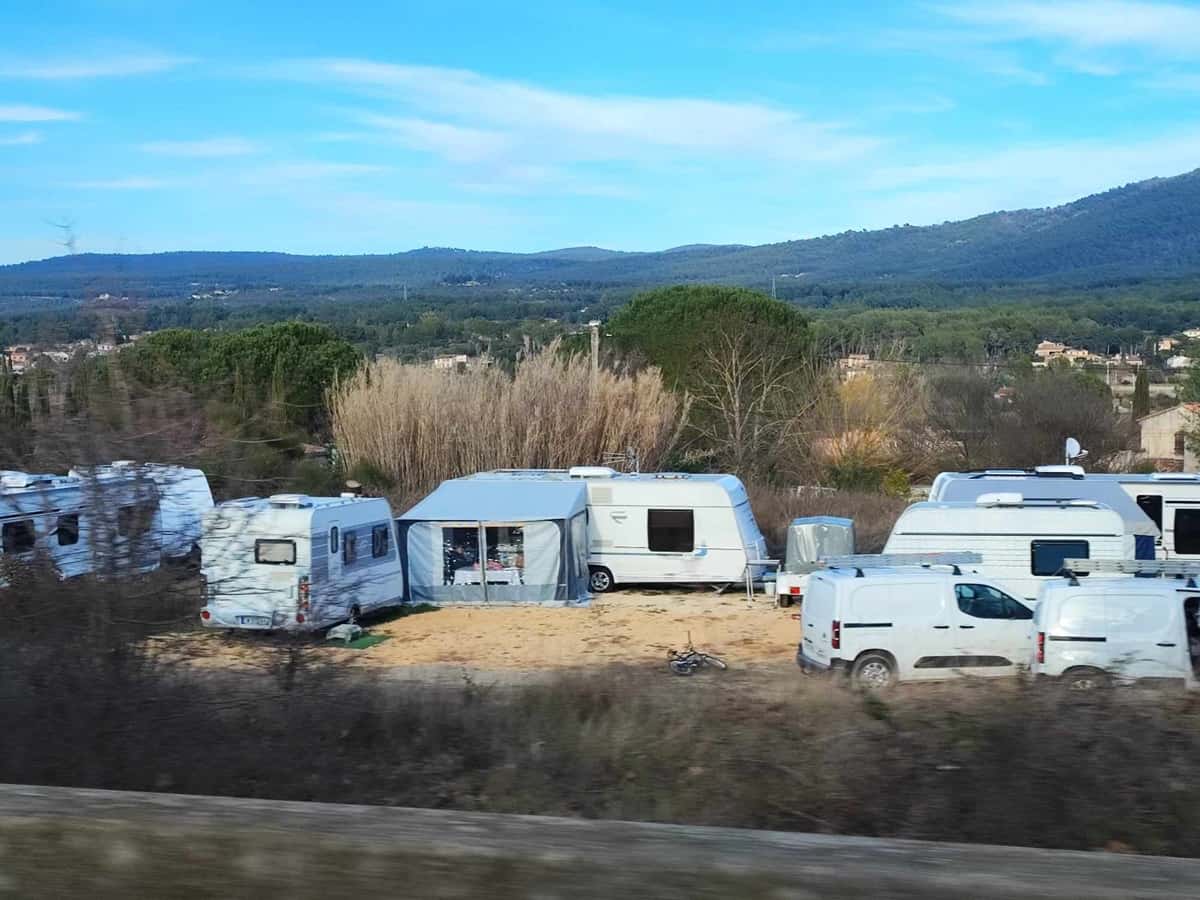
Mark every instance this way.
x=1148 y=229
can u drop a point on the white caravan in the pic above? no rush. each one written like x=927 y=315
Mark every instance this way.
x=297 y=562
x=911 y=623
x=112 y=520
x=1021 y=542
x=1122 y=629
x=669 y=528
x=184 y=496
x=1063 y=483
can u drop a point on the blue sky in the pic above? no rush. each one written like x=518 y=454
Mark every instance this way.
x=349 y=127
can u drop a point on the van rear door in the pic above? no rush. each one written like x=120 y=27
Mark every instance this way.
x=1146 y=635
x=819 y=613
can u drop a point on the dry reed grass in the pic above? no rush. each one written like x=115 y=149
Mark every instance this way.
x=412 y=426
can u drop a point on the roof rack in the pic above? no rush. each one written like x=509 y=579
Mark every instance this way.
x=861 y=561
x=1177 y=567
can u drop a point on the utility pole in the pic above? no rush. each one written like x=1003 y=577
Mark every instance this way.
x=594 y=327
x=773 y=297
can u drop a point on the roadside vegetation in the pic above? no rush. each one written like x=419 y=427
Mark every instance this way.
x=85 y=702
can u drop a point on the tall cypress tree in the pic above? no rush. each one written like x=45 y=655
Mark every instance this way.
x=1141 y=394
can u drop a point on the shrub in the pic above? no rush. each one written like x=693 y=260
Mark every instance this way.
x=412 y=426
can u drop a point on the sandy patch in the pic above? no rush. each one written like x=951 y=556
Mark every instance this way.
x=622 y=627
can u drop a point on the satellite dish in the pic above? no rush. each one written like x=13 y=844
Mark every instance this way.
x=1073 y=450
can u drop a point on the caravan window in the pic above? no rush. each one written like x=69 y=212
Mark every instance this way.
x=380 y=541
x=18 y=537
x=349 y=547
x=1046 y=557
x=134 y=521
x=275 y=552
x=334 y=540
x=67 y=530
x=671 y=530
x=1152 y=505
x=1187 y=531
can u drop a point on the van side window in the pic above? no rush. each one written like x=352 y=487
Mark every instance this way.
x=18 y=537
x=671 y=530
x=334 y=539
x=1046 y=557
x=349 y=547
x=380 y=541
x=67 y=530
x=982 y=601
x=271 y=552
x=1152 y=505
x=1187 y=531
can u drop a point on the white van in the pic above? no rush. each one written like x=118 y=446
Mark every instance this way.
x=910 y=623
x=1121 y=629
x=1022 y=542
x=297 y=562
x=665 y=527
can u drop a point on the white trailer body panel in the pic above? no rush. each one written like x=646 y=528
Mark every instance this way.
x=1019 y=544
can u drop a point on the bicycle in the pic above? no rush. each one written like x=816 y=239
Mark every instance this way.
x=689 y=660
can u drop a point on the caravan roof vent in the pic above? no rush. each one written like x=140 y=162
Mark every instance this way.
x=1061 y=471
x=15 y=479
x=672 y=475
x=1000 y=498
x=1174 y=476
x=591 y=472
x=290 y=501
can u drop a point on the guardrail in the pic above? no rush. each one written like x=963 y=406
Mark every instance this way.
x=65 y=842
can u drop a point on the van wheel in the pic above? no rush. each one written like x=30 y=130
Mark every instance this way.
x=601 y=580
x=1084 y=680
x=874 y=671
x=355 y=613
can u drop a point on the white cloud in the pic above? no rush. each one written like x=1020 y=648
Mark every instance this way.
x=460 y=114
x=21 y=112
x=456 y=143
x=204 y=147
x=24 y=139
x=1090 y=23
x=114 y=66
x=974 y=182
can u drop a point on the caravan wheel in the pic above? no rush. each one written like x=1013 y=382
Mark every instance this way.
x=601 y=580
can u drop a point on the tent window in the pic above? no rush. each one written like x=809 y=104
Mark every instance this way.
x=67 y=530
x=671 y=530
x=1152 y=506
x=380 y=541
x=460 y=555
x=18 y=537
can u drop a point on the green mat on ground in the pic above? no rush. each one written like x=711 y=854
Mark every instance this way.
x=362 y=643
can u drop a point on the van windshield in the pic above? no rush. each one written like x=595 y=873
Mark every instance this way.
x=275 y=552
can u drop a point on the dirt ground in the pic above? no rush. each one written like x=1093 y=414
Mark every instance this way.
x=624 y=627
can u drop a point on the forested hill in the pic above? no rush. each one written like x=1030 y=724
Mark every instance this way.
x=1143 y=230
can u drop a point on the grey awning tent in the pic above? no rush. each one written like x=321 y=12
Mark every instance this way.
x=497 y=539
